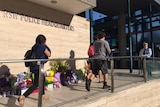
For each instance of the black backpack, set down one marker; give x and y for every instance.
(30, 54)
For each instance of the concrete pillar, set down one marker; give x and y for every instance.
(122, 40)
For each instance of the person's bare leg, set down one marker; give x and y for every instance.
(89, 74)
(100, 76)
(44, 97)
(21, 100)
(106, 77)
(92, 77)
(89, 79)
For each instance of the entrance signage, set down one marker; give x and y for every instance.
(29, 19)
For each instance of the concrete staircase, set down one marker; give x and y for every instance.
(142, 95)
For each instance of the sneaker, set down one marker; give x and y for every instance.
(100, 81)
(106, 87)
(88, 83)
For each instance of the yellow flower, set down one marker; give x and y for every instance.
(51, 73)
(49, 79)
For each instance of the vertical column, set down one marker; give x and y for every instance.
(129, 34)
(151, 30)
(91, 25)
(144, 70)
(112, 75)
(41, 79)
(122, 39)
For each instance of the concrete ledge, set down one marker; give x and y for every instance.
(143, 95)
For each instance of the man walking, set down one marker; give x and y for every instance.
(101, 50)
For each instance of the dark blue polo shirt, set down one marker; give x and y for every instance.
(39, 51)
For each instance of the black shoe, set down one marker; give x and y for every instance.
(107, 87)
(100, 81)
(88, 83)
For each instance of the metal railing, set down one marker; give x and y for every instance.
(111, 69)
(41, 69)
(125, 57)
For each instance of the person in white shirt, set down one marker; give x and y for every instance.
(146, 52)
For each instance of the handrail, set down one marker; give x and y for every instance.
(30, 60)
(112, 58)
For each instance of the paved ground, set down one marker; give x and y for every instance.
(76, 95)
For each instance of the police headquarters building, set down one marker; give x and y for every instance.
(22, 20)
(129, 23)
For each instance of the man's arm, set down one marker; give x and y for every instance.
(149, 54)
(141, 52)
(108, 48)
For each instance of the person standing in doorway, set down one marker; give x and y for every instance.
(146, 52)
(42, 51)
(101, 50)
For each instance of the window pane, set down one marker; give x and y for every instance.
(133, 39)
(138, 12)
(156, 37)
(155, 24)
(139, 27)
(147, 37)
(139, 38)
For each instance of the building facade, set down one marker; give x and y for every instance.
(21, 22)
(144, 27)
